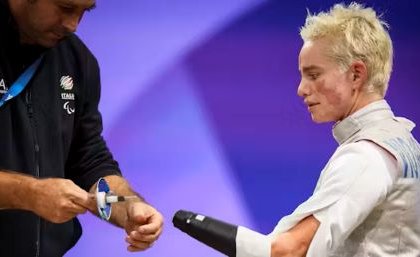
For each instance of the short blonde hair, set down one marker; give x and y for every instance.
(356, 34)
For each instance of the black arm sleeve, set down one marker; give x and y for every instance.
(89, 157)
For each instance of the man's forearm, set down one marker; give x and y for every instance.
(119, 186)
(14, 190)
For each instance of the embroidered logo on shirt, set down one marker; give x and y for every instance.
(67, 107)
(3, 88)
(67, 96)
(66, 82)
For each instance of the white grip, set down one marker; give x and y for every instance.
(100, 198)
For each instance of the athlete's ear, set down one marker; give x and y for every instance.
(358, 74)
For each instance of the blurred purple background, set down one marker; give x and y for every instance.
(200, 109)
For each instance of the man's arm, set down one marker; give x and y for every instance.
(296, 241)
(141, 221)
(54, 199)
(119, 186)
(14, 189)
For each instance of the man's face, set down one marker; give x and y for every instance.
(46, 22)
(325, 89)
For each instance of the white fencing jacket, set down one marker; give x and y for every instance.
(367, 198)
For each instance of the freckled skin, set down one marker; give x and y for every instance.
(331, 95)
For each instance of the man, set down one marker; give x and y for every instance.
(52, 152)
(367, 199)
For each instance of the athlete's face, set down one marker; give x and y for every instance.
(325, 89)
(46, 22)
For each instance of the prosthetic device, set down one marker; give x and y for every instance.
(231, 240)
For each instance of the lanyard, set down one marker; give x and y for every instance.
(21, 82)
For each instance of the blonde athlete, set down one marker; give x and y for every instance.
(367, 199)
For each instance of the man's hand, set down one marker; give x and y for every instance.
(141, 221)
(58, 200)
(144, 224)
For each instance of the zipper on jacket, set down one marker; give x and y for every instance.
(28, 98)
